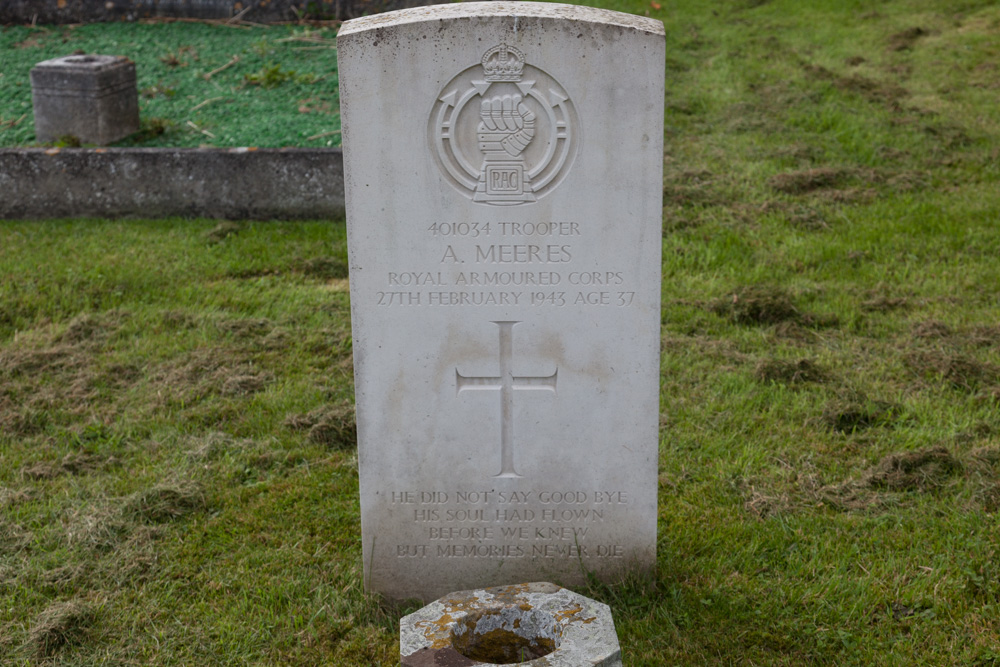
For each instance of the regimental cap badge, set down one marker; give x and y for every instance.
(503, 63)
(503, 131)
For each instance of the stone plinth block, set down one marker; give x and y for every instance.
(537, 624)
(90, 97)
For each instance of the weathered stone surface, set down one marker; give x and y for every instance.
(231, 183)
(503, 167)
(507, 625)
(90, 97)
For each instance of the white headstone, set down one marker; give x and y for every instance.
(503, 167)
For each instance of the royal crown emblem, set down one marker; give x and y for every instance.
(503, 63)
(516, 142)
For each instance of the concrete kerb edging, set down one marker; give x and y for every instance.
(234, 183)
(581, 630)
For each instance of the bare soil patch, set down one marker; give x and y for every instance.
(885, 93)
(904, 40)
(330, 425)
(852, 414)
(790, 372)
(897, 611)
(165, 502)
(71, 464)
(324, 268)
(827, 183)
(246, 328)
(757, 304)
(762, 305)
(958, 370)
(922, 470)
(800, 182)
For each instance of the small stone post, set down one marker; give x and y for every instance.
(90, 97)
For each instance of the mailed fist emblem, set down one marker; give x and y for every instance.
(504, 132)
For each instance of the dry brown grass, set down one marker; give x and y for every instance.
(905, 39)
(165, 502)
(850, 413)
(756, 305)
(222, 231)
(62, 624)
(959, 370)
(801, 182)
(790, 372)
(74, 463)
(922, 471)
(330, 425)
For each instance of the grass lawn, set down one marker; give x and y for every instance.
(200, 84)
(178, 478)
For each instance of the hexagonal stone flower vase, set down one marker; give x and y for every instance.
(525, 624)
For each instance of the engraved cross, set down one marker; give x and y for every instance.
(506, 383)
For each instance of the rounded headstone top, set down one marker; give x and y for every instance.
(536, 623)
(464, 10)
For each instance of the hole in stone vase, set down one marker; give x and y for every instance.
(81, 59)
(506, 635)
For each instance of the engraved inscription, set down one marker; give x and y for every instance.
(521, 143)
(506, 383)
(510, 524)
(467, 264)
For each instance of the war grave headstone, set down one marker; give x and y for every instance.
(503, 176)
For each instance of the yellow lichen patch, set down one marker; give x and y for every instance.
(566, 615)
(437, 630)
(441, 642)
